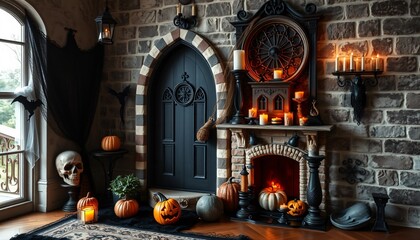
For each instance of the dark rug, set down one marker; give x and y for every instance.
(109, 226)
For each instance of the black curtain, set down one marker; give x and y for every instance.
(67, 80)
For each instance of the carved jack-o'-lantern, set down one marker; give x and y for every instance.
(296, 207)
(166, 211)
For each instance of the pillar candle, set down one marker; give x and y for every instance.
(263, 119)
(252, 113)
(344, 64)
(351, 61)
(299, 95)
(244, 183)
(288, 119)
(88, 214)
(178, 9)
(377, 62)
(302, 121)
(362, 65)
(193, 10)
(278, 73)
(238, 59)
(336, 63)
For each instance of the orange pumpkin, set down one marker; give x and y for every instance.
(111, 143)
(125, 208)
(87, 201)
(271, 198)
(166, 211)
(229, 193)
(296, 207)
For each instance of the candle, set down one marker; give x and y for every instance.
(377, 62)
(302, 121)
(336, 63)
(193, 11)
(252, 113)
(362, 66)
(344, 64)
(263, 119)
(178, 9)
(278, 73)
(283, 206)
(238, 59)
(88, 214)
(299, 95)
(244, 183)
(106, 33)
(288, 119)
(351, 62)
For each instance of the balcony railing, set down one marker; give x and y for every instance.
(10, 155)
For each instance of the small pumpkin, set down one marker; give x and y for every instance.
(166, 211)
(271, 198)
(229, 193)
(296, 207)
(209, 208)
(111, 143)
(126, 208)
(88, 201)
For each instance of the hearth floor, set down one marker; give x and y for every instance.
(187, 200)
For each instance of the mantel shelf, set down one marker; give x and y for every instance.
(322, 128)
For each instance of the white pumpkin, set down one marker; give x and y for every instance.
(271, 198)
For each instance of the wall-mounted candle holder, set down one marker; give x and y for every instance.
(358, 88)
(183, 21)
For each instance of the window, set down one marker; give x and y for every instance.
(13, 77)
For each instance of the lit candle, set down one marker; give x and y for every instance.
(238, 59)
(106, 33)
(302, 121)
(178, 9)
(263, 119)
(252, 113)
(288, 119)
(193, 11)
(377, 62)
(299, 95)
(336, 62)
(244, 179)
(283, 206)
(88, 214)
(278, 73)
(344, 64)
(351, 62)
(362, 66)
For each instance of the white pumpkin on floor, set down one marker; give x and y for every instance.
(209, 208)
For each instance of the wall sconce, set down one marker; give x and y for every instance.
(183, 21)
(105, 25)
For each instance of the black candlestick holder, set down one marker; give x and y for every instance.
(239, 117)
(244, 202)
(380, 200)
(314, 193)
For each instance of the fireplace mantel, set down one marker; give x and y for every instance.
(322, 128)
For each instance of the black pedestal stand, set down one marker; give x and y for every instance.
(314, 193)
(380, 201)
(238, 118)
(71, 204)
(244, 201)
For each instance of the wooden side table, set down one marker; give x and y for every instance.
(107, 161)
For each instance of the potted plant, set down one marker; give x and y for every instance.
(126, 188)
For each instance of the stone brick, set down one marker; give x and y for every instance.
(415, 7)
(357, 11)
(120, 48)
(369, 28)
(387, 131)
(389, 8)
(340, 144)
(331, 13)
(366, 145)
(392, 162)
(387, 83)
(337, 115)
(387, 178)
(355, 131)
(414, 216)
(143, 17)
(387, 100)
(410, 82)
(383, 46)
(337, 31)
(341, 191)
(372, 117)
(402, 147)
(364, 192)
(411, 117)
(357, 48)
(413, 100)
(414, 133)
(218, 9)
(402, 64)
(410, 179)
(395, 213)
(126, 33)
(254, 5)
(325, 50)
(129, 5)
(408, 45)
(401, 26)
(404, 196)
(148, 31)
(132, 62)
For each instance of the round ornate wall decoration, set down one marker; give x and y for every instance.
(276, 42)
(184, 93)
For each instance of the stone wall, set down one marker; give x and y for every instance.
(385, 145)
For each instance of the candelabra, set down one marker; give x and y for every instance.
(183, 21)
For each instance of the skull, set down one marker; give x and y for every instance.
(69, 166)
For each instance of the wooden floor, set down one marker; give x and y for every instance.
(225, 227)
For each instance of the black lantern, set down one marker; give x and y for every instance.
(105, 25)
